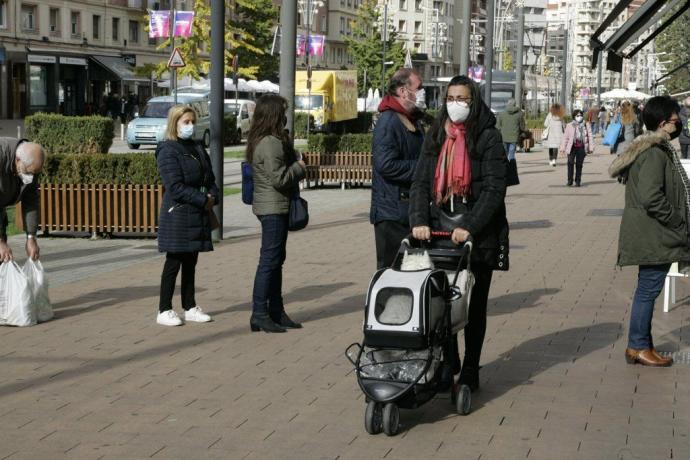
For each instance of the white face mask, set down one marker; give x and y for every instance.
(26, 178)
(421, 99)
(458, 111)
(185, 131)
(578, 118)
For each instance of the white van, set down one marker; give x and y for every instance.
(243, 109)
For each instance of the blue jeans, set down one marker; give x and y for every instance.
(510, 150)
(650, 282)
(594, 127)
(268, 283)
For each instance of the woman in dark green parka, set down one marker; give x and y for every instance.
(654, 228)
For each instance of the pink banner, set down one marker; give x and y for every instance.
(316, 48)
(183, 23)
(159, 24)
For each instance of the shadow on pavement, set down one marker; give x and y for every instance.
(76, 253)
(531, 224)
(107, 298)
(510, 303)
(519, 365)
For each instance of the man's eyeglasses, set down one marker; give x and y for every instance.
(458, 99)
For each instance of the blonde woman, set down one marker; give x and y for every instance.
(184, 227)
(556, 126)
(631, 126)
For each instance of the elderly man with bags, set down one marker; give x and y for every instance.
(20, 163)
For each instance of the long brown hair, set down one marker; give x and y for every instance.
(268, 120)
(557, 110)
(627, 113)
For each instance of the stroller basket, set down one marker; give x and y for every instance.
(391, 364)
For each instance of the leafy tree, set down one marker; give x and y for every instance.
(366, 46)
(675, 42)
(260, 17)
(507, 60)
(194, 49)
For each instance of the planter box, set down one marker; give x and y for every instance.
(344, 168)
(98, 208)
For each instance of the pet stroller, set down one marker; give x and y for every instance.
(410, 318)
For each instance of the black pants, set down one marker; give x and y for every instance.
(173, 262)
(553, 153)
(576, 158)
(684, 150)
(475, 330)
(388, 235)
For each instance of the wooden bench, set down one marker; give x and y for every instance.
(344, 168)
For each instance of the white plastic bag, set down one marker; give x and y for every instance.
(38, 284)
(15, 297)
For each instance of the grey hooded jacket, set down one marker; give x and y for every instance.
(12, 190)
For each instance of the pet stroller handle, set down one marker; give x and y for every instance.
(467, 250)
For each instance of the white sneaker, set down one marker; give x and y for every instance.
(197, 315)
(554, 163)
(168, 318)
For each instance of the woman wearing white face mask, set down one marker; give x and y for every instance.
(184, 227)
(461, 177)
(576, 143)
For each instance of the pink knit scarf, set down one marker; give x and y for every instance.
(453, 170)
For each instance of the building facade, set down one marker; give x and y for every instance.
(65, 56)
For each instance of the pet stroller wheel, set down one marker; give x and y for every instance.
(391, 419)
(463, 400)
(373, 418)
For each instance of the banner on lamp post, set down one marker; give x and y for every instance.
(183, 23)
(316, 46)
(159, 24)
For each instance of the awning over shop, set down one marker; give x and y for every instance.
(120, 69)
(646, 19)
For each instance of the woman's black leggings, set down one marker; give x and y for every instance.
(553, 153)
(173, 262)
(476, 324)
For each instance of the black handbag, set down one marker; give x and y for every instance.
(441, 220)
(512, 177)
(298, 214)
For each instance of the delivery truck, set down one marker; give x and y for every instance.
(332, 99)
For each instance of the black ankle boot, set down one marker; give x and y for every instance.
(282, 319)
(264, 323)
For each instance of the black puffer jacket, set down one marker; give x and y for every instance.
(486, 219)
(184, 224)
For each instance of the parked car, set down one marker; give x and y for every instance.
(243, 109)
(148, 127)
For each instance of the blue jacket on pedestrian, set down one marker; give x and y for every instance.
(396, 145)
(185, 224)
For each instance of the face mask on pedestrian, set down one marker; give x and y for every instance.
(25, 177)
(185, 131)
(678, 127)
(421, 99)
(579, 118)
(458, 111)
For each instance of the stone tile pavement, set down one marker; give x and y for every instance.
(103, 381)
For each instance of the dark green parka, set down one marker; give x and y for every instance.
(654, 228)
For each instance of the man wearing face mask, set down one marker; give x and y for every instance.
(684, 137)
(655, 225)
(20, 162)
(397, 142)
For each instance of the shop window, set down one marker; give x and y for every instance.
(55, 22)
(38, 76)
(116, 29)
(96, 27)
(75, 24)
(29, 18)
(134, 31)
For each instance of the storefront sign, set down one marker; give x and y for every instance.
(73, 61)
(183, 23)
(130, 59)
(159, 24)
(35, 58)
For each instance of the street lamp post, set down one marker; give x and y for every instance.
(308, 7)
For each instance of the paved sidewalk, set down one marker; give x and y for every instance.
(103, 381)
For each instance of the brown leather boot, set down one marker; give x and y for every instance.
(646, 357)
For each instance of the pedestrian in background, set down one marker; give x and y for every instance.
(603, 120)
(630, 126)
(684, 138)
(654, 227)
(184, 228)
(511, 123)
(462, 173)
(555, 126)
(576, 143)
(277, 170)
(397, 141)
(593, 119)
(20, 163)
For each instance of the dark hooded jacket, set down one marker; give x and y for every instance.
(12, 190)
(654, 227)
(511, 123)
(485, 216)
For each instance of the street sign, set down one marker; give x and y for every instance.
(176, 59)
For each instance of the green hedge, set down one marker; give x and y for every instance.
(330, 143)
(62, 134)
(301, 124)
(132, 168)
(230, 134)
